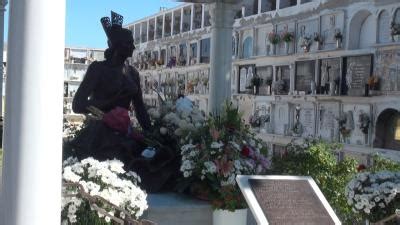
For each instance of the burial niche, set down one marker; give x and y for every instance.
(387, 132)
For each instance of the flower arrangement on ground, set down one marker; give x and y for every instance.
(97, 192)
(274, 38)
(374, 195)
(214, 154)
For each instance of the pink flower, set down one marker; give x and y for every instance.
(117, 119)
(224, 166)
(214, 134)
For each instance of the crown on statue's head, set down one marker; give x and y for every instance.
(115, 22)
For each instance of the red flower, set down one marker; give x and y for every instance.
(361, 167)
(117, 119)
(245, 151)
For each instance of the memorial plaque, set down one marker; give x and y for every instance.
(265, 74)
(307, 119)
(357, 73)
(286, 200)
(388, 69)
(357, 137)
(281, 119)
(282, 83)
(328, 128)
(329, 73)
(329, 24)
(305, 29)
(305, 74)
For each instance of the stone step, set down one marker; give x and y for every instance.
(175, 209)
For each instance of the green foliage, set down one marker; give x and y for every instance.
(381, 163)
(317, 159)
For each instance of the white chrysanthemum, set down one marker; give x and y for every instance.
(216, 145)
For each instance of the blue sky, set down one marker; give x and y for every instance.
(83, 28)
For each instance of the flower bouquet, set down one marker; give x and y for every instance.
(214, 154)
(100, 193)
(306, 43)
(373, 82)
(274, 38)
(287, 36)
(375, 196)
(394, 28)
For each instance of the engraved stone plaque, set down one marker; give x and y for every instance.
(307, 119)
(286, 200)
(357, 73)
(281, 118)
(388, 69)
(357, 137)
(305, 74)
(265, 73)
(328, 128)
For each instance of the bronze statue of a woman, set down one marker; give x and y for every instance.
(107, 85)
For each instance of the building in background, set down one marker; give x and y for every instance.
(322, 68)
(76, 62)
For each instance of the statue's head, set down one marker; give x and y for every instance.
(120, 40)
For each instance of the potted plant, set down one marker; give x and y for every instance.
(287, 37)
(274, 39)
(318, 40)
(338, 37)
(213, 156)
(306, 43)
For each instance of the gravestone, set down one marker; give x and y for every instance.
(329, 73)
(329, 24)
(357, 137)
(388, 69)
(286, 200)
(305, 74)
(281, 118)
(328, 128)
(282, 76)
(242, 79)
(384, 31)
(306, 29)
(307, 119)
(357, 73)
(265, 73)
(283, 27)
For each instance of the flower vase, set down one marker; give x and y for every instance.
(256, 90)
(273, 50)
(287, 45)
(338, 43)
(224, 217)
(318, 45)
